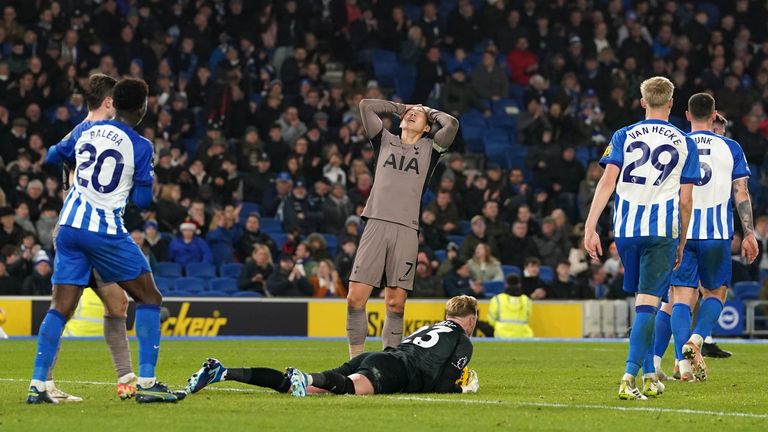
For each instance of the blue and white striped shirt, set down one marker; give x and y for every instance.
(655, 158)
(722, 161)
(109, 159)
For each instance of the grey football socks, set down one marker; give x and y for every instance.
(357, 330)
(116, 335)
(392, 331)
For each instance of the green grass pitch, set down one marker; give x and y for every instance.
(523, 386)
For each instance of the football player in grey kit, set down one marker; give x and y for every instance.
(389, 245)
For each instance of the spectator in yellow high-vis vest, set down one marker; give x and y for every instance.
(510, 311)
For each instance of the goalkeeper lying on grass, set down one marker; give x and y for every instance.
(432, 360)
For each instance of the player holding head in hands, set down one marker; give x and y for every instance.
(112, 164)
(98, 97)
(655, 165)
(389, 244)
(434, 359)
(707, 255)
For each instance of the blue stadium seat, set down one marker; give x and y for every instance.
(201, 270)
(473, 118)
(169, 269)
(547, 274)
(230, 270)
(279, 239)
(458, 239)
(214, 294)
(383, 54)
(510, 269)
(405, 82)
(164, 284)
(441, 255)
(412, 11)
(473, 137)
(248, 208)
(491, 288)
(167, 236)
(504, 106)
(465, 227)
(584, 155)
(749, 290)
(224, 284)
(384, 69)
(271, 225)
(332, 243)
(191, 285)
(247, 294)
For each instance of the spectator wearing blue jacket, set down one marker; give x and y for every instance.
(222, 239)
(189, 248)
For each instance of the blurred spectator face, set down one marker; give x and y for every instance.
(260, 255)
(43, 268)
(349, 248)
(433, 55)
(430, 11)
(364, 182)
(203, 74)
(302, 251)
(300, 191)
(275, 134)
(150, 232)
(478, 227)
(291, 115)
(569, 154)
(491, 210)
(292, 164)
(62, 114)
(252, 224)
(481, 183)
(338, 191)
(196, 168)
(465, 8)
(559, 217)
(35, 189)
(301, 146)
(532, 269)
(138, 237)
(300, 54)
(731, 82)
(187, 234)
(519, 229)
(489, 60)
(563, 271)
(286, 265)
(524, 213)
(521, 44)
(516, 177)
(548, 228)
(481, 252)
(443, 199)
(322, 188)
(423, 270)
(456, 163)
(463, 271)
(428, 217)
(283, 187)
(753, 123)
(599, 275)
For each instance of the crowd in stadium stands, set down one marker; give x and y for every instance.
(260, 154)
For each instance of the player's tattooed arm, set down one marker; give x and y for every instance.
(743, 205)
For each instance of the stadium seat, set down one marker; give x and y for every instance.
(280, 239)
(473, 118)
(584, 155)
(510, 269)
(201, 270)
(405, 81)
(164, 284)
(332, 243)
(230, 270)
(224, 284)
(749, 290)
(440, 254)
(271, 225)
(473, 137)
(504, 106)
(458, 239)
(168, 269)
(246, 209)
(547, 274)
(190, 285)
(214, 294)
(247, 294)
(384, 68)
(465, 227)
(491, 288)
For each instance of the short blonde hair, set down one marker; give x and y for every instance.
(461, 306)
(657, 91)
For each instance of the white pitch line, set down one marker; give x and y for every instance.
(582, 406)
(224, 389)
(481, 401)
